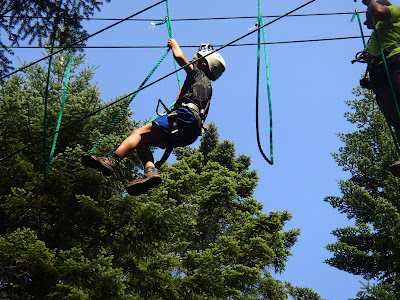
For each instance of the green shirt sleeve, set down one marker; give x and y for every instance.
(388, 33)
(394, 13)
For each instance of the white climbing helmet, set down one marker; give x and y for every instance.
(215, 62)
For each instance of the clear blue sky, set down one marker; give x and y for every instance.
(309, 84)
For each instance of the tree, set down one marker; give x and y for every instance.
(46, 224)
(38, 20)
(299, 293)
(370, 197)
(78, 235)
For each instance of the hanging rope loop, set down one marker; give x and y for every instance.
(260, 25)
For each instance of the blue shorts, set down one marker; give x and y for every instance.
(187, 126)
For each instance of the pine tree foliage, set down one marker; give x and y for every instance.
(370, 197)
(299, 293)
(78, 235)
(38, 20)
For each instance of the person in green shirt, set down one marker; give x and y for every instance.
(385, 18)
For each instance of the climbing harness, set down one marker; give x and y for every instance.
(166, 109)
(175, 136)
(216, 65)
(260, 24)
(362, 56)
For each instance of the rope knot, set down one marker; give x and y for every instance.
(154, 24)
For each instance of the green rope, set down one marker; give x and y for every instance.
(360, 25)
(169, 27)
(396, 142)
(46, 100)
(125, 107)
(361, 29)
(154, 24)
(261, 25)
(71, 54)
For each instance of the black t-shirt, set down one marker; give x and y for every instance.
(196, 89)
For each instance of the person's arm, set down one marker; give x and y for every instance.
(179, 56)
(380, 12)
(179, 93)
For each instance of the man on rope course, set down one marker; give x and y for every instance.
(179, 127)
(385, 18)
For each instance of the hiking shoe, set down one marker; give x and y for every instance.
(395, 169)
(103, 164)
(148, 180)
